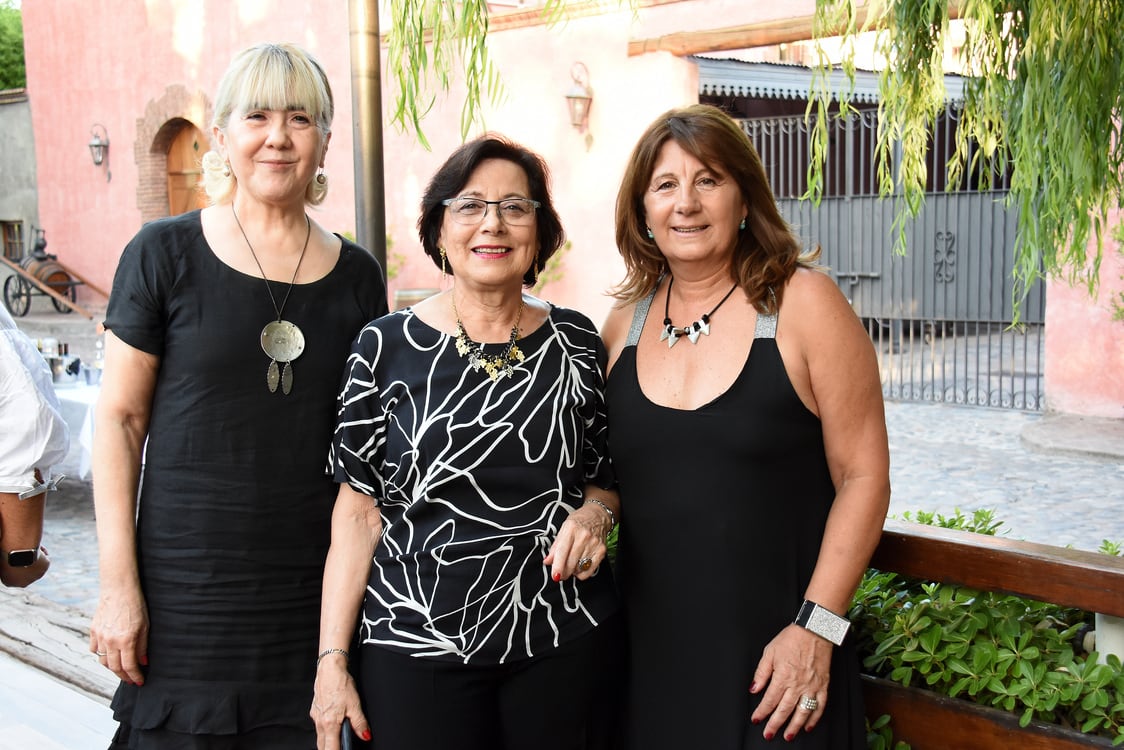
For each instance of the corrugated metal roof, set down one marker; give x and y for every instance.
(760, 80)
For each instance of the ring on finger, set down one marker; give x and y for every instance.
(808, 703)
(585, 564)
(101, 653)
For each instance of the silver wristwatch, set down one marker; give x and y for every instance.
(822, 622)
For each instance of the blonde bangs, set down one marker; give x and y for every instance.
(275, 77)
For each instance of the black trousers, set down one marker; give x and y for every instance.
(567, 699)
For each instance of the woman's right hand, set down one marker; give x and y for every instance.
(119, 632)
(335, 698)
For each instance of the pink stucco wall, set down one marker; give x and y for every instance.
(586, 167)
(107, 61)
(1084, 345)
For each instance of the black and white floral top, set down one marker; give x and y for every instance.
(474, 478)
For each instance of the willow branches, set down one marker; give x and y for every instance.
(1043, 95)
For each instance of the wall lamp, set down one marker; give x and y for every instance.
(579, 97)
(99, 147)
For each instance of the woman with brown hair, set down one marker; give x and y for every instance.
(475, 494)
(749, 441)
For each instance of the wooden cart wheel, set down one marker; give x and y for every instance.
(66, 292)
(17, 296)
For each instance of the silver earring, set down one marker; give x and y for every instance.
(321, 180)
(742, 225)
(226, 169)
(650, 235)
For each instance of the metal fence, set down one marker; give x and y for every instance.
(941, 315)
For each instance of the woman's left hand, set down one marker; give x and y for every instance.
(579, 548)
(795, 664)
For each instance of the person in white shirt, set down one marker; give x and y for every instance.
(35, 438)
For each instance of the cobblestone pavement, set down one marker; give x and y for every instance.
(943, 458)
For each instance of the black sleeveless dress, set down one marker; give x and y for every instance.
(723, 511)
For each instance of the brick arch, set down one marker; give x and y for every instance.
(163, 119)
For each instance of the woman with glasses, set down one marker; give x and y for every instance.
(475, 495)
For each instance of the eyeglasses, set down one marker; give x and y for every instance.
(515, 212)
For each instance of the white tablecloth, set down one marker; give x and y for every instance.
(83, 396)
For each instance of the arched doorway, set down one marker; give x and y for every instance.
(184, 171)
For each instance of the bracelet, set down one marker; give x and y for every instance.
(330, 651)
(823, 622)
(607, 509)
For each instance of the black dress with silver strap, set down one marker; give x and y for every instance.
(723, 512)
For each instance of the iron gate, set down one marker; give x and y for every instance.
(941, 315)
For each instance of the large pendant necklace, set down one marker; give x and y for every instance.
(672, 334)
(281, 340)
(496, 365)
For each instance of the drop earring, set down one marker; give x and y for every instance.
(322, 180)
(742, 225)
(650, 235)
(226, 169)
(444, 273)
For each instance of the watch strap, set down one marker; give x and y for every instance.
(823, 622)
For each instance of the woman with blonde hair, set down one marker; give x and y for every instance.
(227, 332)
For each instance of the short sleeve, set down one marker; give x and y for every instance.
(360, 436)
(136, 313)
(598, 468)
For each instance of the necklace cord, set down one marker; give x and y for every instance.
(268, 286)
(704, 319)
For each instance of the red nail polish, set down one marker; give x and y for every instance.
(768, 735)
(753, 688)
(557, 577)
(366, 735)
(788, 737)
(756, 721)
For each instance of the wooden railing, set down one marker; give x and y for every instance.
(1087, 580)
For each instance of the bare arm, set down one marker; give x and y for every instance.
(843, 375)
(615, 331)
(356, 528)
(21, 527)
(833, 368)
(120, 625)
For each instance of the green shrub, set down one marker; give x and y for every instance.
(997, 650)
